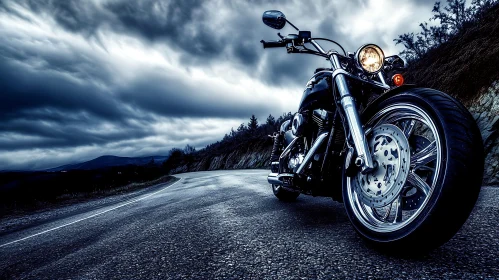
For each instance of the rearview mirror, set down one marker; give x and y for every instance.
(274, 19)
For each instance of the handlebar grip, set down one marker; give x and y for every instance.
(273, 44)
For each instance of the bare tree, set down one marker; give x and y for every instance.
(451, 19)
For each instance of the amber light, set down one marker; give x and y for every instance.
(398, 79)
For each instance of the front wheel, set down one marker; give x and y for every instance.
(430, 165)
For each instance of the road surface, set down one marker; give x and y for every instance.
(227, 225)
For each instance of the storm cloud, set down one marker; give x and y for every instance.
(80, 79)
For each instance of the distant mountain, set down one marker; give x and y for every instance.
(109, 161)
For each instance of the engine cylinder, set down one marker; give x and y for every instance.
(298, 125)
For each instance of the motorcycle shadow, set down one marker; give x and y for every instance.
(321, 218)
(307, 212)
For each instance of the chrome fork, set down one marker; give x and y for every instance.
(364, 159)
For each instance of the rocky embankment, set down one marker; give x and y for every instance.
(252, 154)
(485, 110)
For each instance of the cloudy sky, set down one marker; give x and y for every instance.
(81, 79)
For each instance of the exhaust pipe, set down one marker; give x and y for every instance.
(318, 142)
(284, 179)
(279, 179)
(273, 180)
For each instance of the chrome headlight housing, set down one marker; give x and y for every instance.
(285, 126)
(370, 58)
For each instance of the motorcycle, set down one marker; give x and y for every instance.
(407, 162)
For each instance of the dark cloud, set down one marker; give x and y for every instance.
(47, 128)
(247, 53)
(170, 97)
(68, 94)
(76, 16)
(158, 19)
(291, 68)
(24, 87)
(180, 23)
(187, 26)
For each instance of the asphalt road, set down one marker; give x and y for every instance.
(228, 225)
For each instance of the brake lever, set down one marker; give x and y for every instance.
(280, 36)
(292, 49)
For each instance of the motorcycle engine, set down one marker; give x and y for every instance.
(295, 160)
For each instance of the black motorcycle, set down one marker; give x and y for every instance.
(407, 162)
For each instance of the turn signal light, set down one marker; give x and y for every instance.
(398, 79)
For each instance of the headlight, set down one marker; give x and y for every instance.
(370, 58)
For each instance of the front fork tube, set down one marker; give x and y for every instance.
(364, 159)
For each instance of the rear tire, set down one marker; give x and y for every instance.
(284, 195)
(442, 186)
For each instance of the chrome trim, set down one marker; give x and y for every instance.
(297, 125)
(272, 179)
(285, 153)
(351, 114)
(369, 216)
(382, 78)
(284, 126)
(336, 72)
(359, 65)
(311, 153)
(391, 150)
(317, 46)
(275, 179)
(288, 149)
(335, 61)
(356, 129)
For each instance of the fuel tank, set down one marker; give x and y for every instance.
(318, 93)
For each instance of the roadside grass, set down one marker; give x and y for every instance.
(465, 65)
(26, 193)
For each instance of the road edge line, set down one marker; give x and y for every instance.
(89, 217)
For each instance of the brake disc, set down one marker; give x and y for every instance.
(390, 149)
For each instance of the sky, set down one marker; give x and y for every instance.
(82, 79)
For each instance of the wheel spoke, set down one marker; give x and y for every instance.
(398, 210)
(418, 182)
(382, 217)
(397, 117)
(421, 154)
(426, 168)
(425, 156)
(408, 128)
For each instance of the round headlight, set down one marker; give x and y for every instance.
(370, 58)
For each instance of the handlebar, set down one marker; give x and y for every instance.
(299, 47)
(273, 44)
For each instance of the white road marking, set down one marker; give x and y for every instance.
(91, 216)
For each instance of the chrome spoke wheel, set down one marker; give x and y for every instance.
(394, 195)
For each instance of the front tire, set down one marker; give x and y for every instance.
(441, 185)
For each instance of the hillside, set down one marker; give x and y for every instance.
(248, 147)
(110, 161)
(250, 153)
(466, 65)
